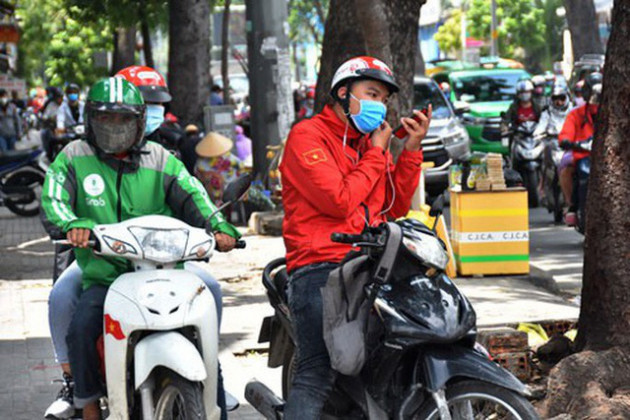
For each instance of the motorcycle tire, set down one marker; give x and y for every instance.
(178, 398)
(513, 405)
(530, 179)
(28, 207)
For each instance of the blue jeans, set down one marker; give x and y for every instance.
(314, 378)
(7, 143)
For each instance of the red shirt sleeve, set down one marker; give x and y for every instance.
(310, 167)
(568, 131)
(406, 176)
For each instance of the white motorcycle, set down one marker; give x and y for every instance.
(160, 323)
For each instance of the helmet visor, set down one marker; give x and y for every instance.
(114, 132)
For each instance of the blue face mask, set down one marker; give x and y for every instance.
(371, 115)
(155, 118)
(73, 97)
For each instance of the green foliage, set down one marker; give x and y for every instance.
(55, 48)
(306, 20)
(527, 29)
(449, 35)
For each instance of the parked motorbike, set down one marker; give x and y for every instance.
(160, 323)
(422, 359)
(580, 180)
(552, 155)
(526, 154)
(22, 174)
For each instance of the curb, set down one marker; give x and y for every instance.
(541, 278)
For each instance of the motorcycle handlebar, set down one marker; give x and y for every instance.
(240, 244)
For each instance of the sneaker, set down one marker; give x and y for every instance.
(63, 406)
(231, 403)
(570, 218)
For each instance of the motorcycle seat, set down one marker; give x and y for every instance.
(14, 156)
(281, 281)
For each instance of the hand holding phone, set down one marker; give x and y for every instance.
(401, 131)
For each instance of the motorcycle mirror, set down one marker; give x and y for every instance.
(237, 188)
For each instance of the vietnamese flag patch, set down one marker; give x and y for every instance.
(315, 156)
(113, 327)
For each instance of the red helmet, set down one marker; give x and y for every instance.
(151, 83)
(363, 68)
(310, 93)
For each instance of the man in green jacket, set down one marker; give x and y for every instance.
(114, 176)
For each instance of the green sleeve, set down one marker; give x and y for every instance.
(58, 195)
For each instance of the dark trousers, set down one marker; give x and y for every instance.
(85, 329)
(314, 378)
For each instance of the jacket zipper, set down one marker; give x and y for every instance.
(118, 183)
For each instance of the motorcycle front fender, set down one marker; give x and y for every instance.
(446, 363)
(171, 350)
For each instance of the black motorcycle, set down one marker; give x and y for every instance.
(422, 358)
(21, 179)
(580, 180)
(553, 198)
(526, 154)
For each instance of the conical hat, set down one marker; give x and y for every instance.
(212, 145)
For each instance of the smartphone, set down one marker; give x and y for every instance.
(401, 132)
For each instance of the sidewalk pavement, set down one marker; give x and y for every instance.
(27, 363)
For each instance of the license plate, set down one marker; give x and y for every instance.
(505, 141)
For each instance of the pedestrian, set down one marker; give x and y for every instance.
(242, 145)
(10, 124)
(216, 165)
(187, 147)
(216, 95)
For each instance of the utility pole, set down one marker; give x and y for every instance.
(494, 51)
(270, 94)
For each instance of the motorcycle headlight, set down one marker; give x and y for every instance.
(428, 249)
(161, 245)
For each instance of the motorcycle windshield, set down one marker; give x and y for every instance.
(428, 308)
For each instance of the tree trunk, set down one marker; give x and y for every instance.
(124, 48)
(605, 313)
(225, 52)
(189, 58)
(146, 40)
(583, 26)
(343, 39)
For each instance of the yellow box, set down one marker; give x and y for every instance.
(490, 231)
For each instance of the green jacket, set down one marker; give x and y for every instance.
(82, 190)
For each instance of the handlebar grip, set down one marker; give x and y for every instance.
(240, 244)
(345, 238)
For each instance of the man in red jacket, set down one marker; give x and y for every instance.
(338, 176)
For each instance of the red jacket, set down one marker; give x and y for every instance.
(578, 126)
(323, 189)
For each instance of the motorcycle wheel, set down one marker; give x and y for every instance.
(28, 206)
(178, 398)
(530, 179)
(558, 215)
(477, 399)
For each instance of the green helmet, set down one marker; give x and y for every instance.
(115, 116)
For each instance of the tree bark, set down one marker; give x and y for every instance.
(146, 38)
(124, 48)
(583, 26)
(342, 40)
(225, 49)
(605, 313)
(189, 58)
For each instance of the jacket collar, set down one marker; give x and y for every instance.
(338, 127)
